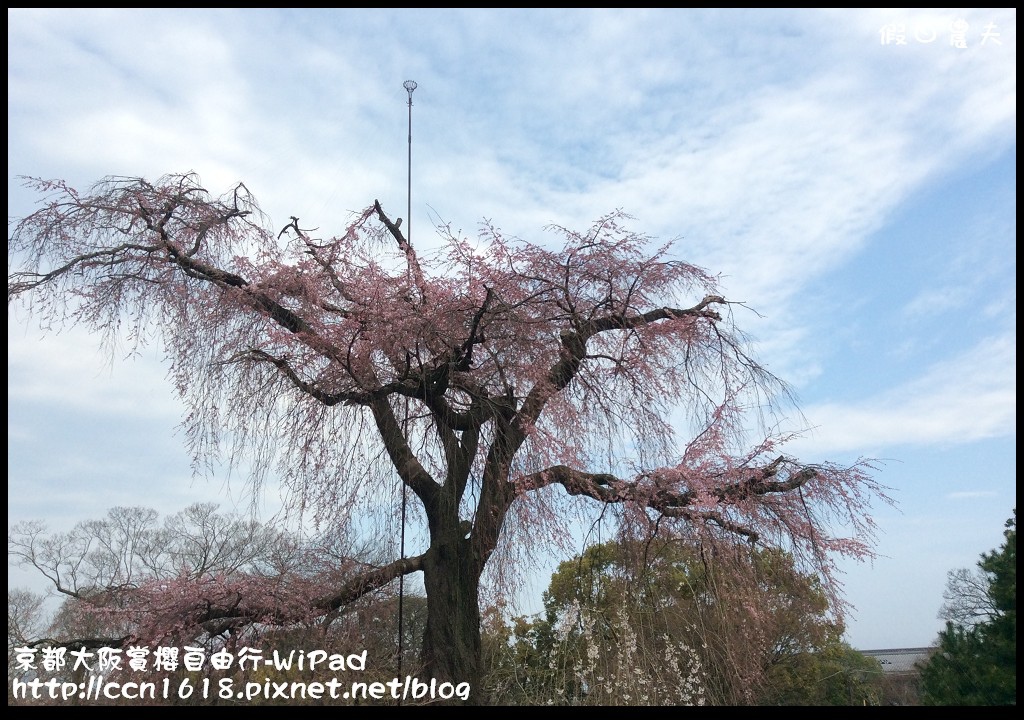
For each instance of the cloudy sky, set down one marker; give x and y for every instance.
(851, 174)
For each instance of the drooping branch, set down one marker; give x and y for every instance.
(215, 616)
(20, 283)
(464, 360)
(215, 607)
(370, 581)
(135, 207)
(408, 467)
(623, 322)
(243, 609)
(673, 501)
(410, 254)
(328, 399)
(259, 300)
(709, 516)
(574, 349)
(612, 489)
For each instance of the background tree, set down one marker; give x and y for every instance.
(976, 663)
(118, 571)
(661, 621)
(129, 576)
(833, 673)
(499, 381)
(25, 622)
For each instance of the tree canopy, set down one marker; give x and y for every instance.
(665, 622)
(976, 662)
(504, 384)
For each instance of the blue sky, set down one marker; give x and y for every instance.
(860, 195)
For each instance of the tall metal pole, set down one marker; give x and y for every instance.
(409, 86)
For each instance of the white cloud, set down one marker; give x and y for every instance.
(68, 369)
(971, 495)
(966, 398)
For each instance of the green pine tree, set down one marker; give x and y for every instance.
(976, 663)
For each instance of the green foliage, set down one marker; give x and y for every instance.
(976, 663)
(834, 674)
(667, 622)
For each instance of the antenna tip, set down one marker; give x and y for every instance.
(409, 86)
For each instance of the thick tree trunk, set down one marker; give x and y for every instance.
(451, 642)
